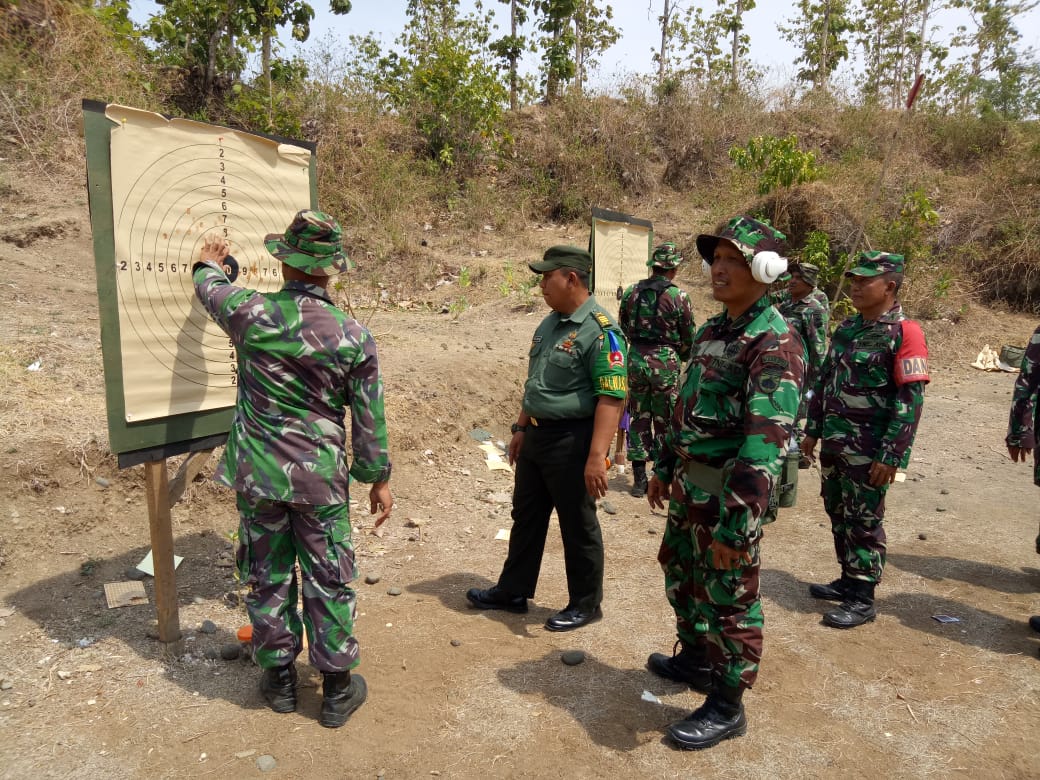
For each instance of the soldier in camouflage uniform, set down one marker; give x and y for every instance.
(1024, 421)
(657, 318)
(866, 404)
(719, 467)
(301, 364)
(808, 316)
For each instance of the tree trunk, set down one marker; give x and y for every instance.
(665, 19)
(735, 55)
(823, 74)
(579, 58)
(512, 57)
(266, 65)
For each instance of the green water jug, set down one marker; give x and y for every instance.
(789, 478)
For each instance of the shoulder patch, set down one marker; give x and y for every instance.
(912, 357)
(603, 320)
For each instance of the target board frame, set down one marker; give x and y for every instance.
(157, 186)
(621, 246)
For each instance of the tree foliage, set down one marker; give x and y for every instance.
(444, 78)
(777, 162)
(821, 33)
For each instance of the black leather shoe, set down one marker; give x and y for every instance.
(572, 618)
(278, 686)
(709, 724)
(687, 666)
(342, 694)
(832, 591)
(640, 481)
(851, 613)
(1034, 623)
(496, 598)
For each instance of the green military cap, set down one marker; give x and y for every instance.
(748, 235)
(563, 256)
(666, 256)
(312, 243)
(810, 273)
(876, 263)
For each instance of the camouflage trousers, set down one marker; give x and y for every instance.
(857, 513)
(273, 536)
(652, 393)
(718, 610)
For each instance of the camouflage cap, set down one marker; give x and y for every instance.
(563, 256)
(747, 235)
(808, 272)
(312, 243)
(666, 256)
(876, 263)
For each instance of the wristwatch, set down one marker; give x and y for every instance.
(517, 428)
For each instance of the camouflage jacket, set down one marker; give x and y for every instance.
(738, 401)
(809, 318)
(868, 397)
(655, 314)
(1025, 403)
(301, 363)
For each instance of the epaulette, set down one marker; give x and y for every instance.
(603, 320)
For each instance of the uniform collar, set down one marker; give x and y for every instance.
(579, 315)
(306, 288)
(756, 309)
(892, 315)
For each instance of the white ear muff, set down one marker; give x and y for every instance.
(767, 267)
(705, 269)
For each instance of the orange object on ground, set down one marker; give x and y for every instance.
(245, 634)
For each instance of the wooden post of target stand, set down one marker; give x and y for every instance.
(162, 495)
(161, 527)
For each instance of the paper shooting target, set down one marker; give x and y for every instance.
(621, 245)
(175, 182)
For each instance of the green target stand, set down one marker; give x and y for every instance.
(157, 187)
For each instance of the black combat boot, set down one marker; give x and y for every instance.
(832, 591)
(278, 686)
(343, 694)
(856, 608)
(720, 717)
(689, 665)
(639, 475)
(1034, 622)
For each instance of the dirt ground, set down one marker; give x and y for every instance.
(84, 691)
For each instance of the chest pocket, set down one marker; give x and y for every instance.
(869, 371)
(563, 369)
(722, 389)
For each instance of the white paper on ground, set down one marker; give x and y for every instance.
(148, 567)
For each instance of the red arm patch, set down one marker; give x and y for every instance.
(912, 358)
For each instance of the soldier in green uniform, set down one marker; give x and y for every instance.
(302, 364)
(866, 404)
(808, 313)
(657, 318)
(718, 470)
(1024, 421)
(573, 399)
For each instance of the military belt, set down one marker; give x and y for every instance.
(566, 422)
(708, 479)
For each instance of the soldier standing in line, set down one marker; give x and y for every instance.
(657, 318)
(301, 364)
(719, 467)
(808, 315)
(866, 404)
(1024, 421)
(573, 399)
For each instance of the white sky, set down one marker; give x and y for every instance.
(637, 20)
